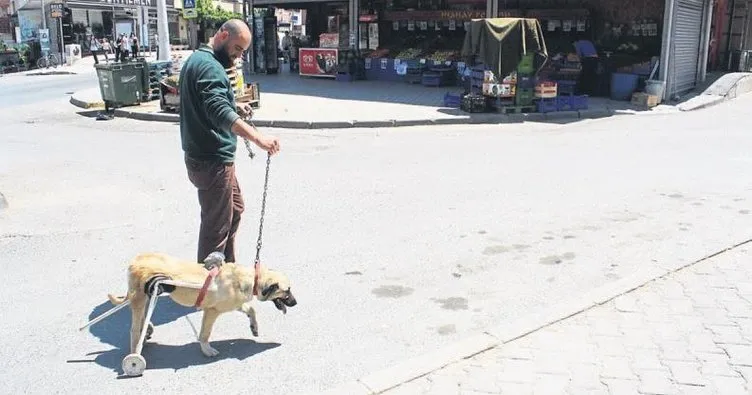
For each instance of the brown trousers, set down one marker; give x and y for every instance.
(221, 206)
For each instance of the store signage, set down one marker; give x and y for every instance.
(56, 10)
(134, 3)
(434, 15)
(318, 62)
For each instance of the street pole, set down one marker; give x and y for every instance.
(162, 31)
(44, 17)
(62, 41)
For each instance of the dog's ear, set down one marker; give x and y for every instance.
(266, 291)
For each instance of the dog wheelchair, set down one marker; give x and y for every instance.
(135, 364)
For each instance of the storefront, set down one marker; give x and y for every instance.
(321, 40)
(629, 36)
(685, 44)
(665, 40)
(111, 18)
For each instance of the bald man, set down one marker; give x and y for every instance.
(209, 126)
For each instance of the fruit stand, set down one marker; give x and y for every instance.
(505, 78)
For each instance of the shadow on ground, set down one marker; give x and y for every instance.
(115, 331)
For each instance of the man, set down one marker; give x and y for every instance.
(209, 126)
(286, 43)
(589, 58)
(96, 48)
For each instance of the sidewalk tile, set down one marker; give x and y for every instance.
(677, 335)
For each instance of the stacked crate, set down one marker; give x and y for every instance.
(525, 81)
(157, 71)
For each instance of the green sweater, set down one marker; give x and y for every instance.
(207, 109)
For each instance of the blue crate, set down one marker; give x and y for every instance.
(566, 87)
(344, 77)
(453, 100)
(431, 79)
(579, 102)
(571, 102)
(547, 105)
(564, 103)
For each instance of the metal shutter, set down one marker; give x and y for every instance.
(687, 28)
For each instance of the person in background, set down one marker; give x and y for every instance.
(118, 40)
(96, 48)
(125, 48)
(589, 59)
(134, 45)
(106, 47)
(286, 44)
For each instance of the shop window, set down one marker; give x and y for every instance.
(417, 29)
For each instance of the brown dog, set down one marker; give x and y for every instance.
(232, 290)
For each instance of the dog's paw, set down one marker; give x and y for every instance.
(208, 350)
(149, 332)
(254, 330)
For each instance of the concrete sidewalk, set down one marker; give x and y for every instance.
(290, 101)
(287, 110)
(686, 332)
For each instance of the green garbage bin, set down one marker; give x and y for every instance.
(120, 84)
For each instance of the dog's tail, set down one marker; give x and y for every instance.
(116, 300)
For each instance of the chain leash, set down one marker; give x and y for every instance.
(263, 199)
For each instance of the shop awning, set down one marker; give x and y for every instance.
(500, 43)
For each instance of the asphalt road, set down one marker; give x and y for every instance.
(397, 241)
(21, 90)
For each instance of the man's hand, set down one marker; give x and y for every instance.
(245, 110)
(247, 131)
(269, 144)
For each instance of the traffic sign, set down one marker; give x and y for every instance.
(189, 9)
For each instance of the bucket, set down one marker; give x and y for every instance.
(623, 85)
(655, 88)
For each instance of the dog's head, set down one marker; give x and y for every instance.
(275, 286)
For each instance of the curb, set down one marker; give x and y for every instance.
(50, 73)
(414, 368)
(741, 86)
(476, 119)
(85, 105)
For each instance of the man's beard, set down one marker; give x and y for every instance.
(223, 56)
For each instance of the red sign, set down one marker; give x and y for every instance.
(318, 62)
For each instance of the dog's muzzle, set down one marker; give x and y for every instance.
(283, 303)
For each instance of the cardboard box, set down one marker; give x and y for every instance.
(643, 100)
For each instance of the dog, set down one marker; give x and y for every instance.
(236, 285)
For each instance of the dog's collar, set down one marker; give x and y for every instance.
(209, 278)
(256, 269)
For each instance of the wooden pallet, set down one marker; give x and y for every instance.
(517, 109)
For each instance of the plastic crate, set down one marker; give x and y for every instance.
(431, 79)
(453, 100)
(474, 103)
(525, 82)
(547, 105)
(564, 103)
(526, 65)
(566, 87)
(579, 102)
(344, 77)
(524, 97)
(571, 102)
(546, 90)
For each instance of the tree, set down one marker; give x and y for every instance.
(210, 16)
